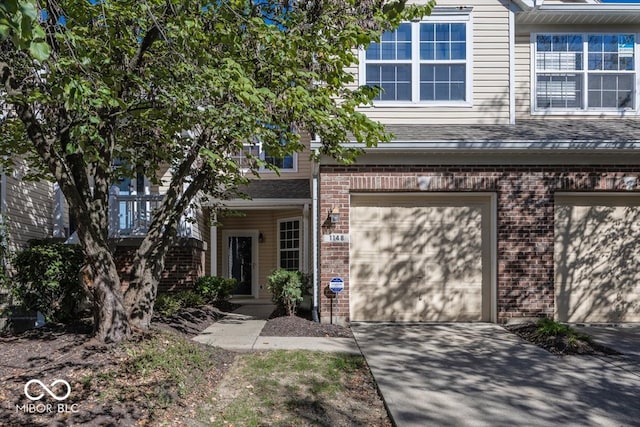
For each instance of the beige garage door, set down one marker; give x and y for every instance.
(596, 254)
(419, 258)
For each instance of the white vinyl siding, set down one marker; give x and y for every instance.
(29, 209)
(488, 31)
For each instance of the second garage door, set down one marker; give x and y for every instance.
(420, 258)
(597, 254)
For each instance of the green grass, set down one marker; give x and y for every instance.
(549, 328)
(154, 372)
(280, 385)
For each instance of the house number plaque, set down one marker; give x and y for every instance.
(335, 238)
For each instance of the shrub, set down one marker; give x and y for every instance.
(286, 289)
(547, 327)
(190, 299)
(170, 304)
(167, 304)
(47, 280)
(215, 288)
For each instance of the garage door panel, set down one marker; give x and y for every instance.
(461, 304)
(383, 304)
(429, 258)
(596, 259)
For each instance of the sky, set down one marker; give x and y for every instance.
(620, 1)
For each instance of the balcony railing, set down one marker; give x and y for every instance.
(131, 215)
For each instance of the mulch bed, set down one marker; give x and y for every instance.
(301, 325)
(294, 326)
(559, 344)
(69, 352)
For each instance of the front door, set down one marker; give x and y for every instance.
(241, 253)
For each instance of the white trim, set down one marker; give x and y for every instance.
(585, 110)
(213, 244)
(449, 15)
(262, 155)
(512, 66)
(595, 8)
(528, 146)
(315, 229)
(58, 212)
(494, 257)
(630, 193)
(260, 203)
(491, 199)
(301, 240)
(304, 239)
(421, 104)
(254, 234)
(3, 195)
(294, 169)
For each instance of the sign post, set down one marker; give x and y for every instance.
(336, 285)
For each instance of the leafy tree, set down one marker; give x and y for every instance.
(183, 83)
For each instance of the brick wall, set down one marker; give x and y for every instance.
(525, 215)
(183, 265)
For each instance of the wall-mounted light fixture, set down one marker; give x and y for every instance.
(334, 216)
(261, 237)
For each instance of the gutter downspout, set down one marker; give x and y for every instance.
(314, 227)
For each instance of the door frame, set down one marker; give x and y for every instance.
(254, 234)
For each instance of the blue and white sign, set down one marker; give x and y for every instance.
(336, 285)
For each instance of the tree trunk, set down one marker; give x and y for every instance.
(141, 294)
(111, 321)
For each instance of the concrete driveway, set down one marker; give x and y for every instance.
(480, 375)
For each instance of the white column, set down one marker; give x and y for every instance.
(58, 212)
(185, 228)
(114, 211)
(305, 238)
(213, 245)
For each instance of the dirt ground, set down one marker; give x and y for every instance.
(68, 352)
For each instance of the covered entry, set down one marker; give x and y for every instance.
(417, 257)
(596, 255)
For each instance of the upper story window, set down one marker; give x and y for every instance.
(584, 72)
(251, 152)
(426, 62)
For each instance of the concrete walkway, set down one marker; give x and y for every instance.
(240, 331)
(480, 375)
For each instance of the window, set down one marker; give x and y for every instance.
(250, 152)
(421, 62)
(289, 241)
(584, 72)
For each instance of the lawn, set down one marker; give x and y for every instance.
(298, 388)
(165, 379)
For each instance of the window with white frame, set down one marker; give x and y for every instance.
(252, 152)
(422, 62)
(583, 72)
(289, 244)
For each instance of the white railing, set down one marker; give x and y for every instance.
(131, 215)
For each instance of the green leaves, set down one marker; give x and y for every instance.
(19, 22)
